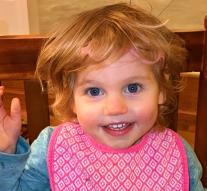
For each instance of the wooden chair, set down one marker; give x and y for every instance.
(201, 127)
(18, 55)
(196, 43)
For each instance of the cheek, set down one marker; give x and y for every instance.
(86, 115)
(147, 113)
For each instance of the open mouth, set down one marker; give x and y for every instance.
(118, 129)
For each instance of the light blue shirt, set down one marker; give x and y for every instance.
(27, 169)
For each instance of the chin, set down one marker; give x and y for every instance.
(120, 146)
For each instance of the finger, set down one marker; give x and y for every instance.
(15, 110)
(1, 90)
(1, 94)
(2, 110)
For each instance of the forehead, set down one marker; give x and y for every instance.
(127, 57)
(126, 54)
(128, 65)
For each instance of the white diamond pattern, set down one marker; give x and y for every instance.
(78, 165)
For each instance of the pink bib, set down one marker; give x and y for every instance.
(77, 162)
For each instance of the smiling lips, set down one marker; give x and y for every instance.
(118, 129)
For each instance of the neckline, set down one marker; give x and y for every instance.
(93, 144)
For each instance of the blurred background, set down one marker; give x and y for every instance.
(38, 17)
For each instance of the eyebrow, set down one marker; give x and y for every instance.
(85, 82)
(133, 78)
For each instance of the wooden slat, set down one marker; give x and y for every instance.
(18, 56)
(194, 43)
(201, 125)
(37, 108)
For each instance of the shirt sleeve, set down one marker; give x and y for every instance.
(27, 169)
(194, 168)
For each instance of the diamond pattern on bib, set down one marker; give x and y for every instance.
(75, 163)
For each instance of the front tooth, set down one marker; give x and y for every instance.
(120, 125)
(117, 126)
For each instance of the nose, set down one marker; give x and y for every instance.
(115, 105)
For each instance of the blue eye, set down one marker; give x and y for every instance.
(94, 91)
(133, 88)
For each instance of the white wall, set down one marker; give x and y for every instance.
(13, 17)
(184, 15)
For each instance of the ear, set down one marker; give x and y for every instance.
(162, 97)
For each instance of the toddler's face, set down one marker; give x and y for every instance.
(117, 103)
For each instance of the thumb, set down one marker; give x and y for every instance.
(15, 109)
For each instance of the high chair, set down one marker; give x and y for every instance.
(18, 55)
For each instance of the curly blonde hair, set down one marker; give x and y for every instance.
(110, 31)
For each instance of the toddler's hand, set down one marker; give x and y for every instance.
(10, 125)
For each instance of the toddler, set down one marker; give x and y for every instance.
(110, 70)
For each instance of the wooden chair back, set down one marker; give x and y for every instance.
(196, 43)
(18, 56)
(201, 123)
